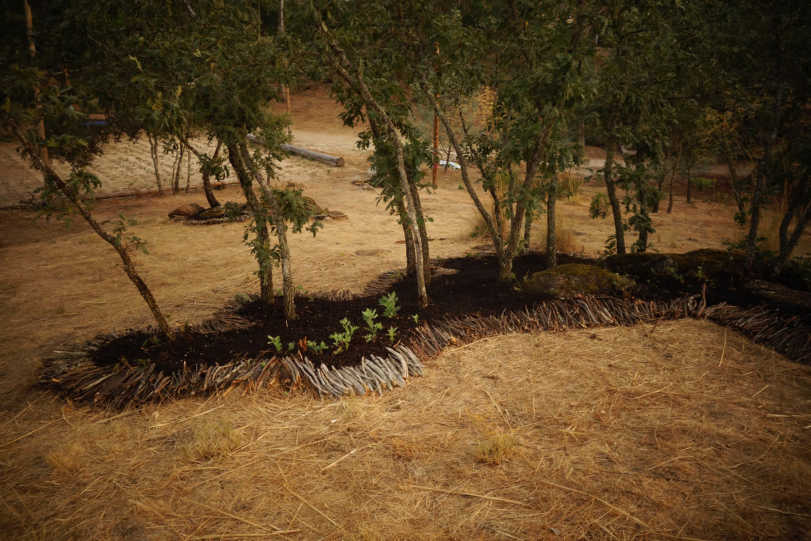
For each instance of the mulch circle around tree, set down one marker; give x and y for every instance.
(249, 344)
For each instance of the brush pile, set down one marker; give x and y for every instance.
(120, 385)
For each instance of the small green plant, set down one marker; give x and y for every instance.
(392, 332)
(291, 347)
(276, 342)
(341, 340)
(415, 318)
(372, 325)
(389, 304)
(318, 347)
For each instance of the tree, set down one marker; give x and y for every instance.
(763, 56)
(645, 72)
(382, 100)
(534, 59)
(33, 97)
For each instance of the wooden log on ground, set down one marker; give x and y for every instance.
(335, 161)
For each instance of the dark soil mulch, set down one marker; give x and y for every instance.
(461, 287)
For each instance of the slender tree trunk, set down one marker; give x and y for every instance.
(688, 174)
(616, 210)
(435, 153)
(210, 197)
(423, 232)
(673, 170)
(493, 228)
(400, 207)
(202, 158)
(789, 242)
(754, 219)
(153, 152)
(551, 231)
(660, 185)
(342, 65)
(581, 137)
(261, 248)
(32, 51)
(528, 219)
(177, 166)
(188, 171)
(280, 226)
(120, 247)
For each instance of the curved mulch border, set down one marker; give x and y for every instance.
(76, 376)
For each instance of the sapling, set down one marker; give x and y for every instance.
(415, 318)
(317, 347)
(392, 332)
(341, 340)
(372, 325)
(276, 342)
(389, 304)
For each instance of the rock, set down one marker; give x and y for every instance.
(211, 214)
(186, 211)
(570, 280)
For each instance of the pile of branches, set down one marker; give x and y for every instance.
(75, 374)
(786, 334)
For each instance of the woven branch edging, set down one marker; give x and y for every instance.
(77, 377)
(789, 336)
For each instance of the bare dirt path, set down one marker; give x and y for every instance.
(676, 430)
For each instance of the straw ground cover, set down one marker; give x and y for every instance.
(610, 433)
(680, 429)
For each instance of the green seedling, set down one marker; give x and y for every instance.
(389, 304)
(316, 346)
(276, 342)
(392, 332)
(341, 340)
(372, 325)
(415, 318)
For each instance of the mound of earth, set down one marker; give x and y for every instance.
(575, 279)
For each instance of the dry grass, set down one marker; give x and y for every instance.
(624, 433)
(678, 430)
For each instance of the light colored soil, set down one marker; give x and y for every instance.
(677, 430)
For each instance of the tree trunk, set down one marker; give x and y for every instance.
(32, 51)
(176, 168)
(279, 224)
(423, 232)
(616, 210)
(120, 248)
(356, 80)
(754, 219)
(410, 245)
(188, 171)
(210, 197)
(212, 201)
(261, 247)
(789, 242)
(153, 152)
(528, 219)
(688, 174)
(551, 232)
(435, 153)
